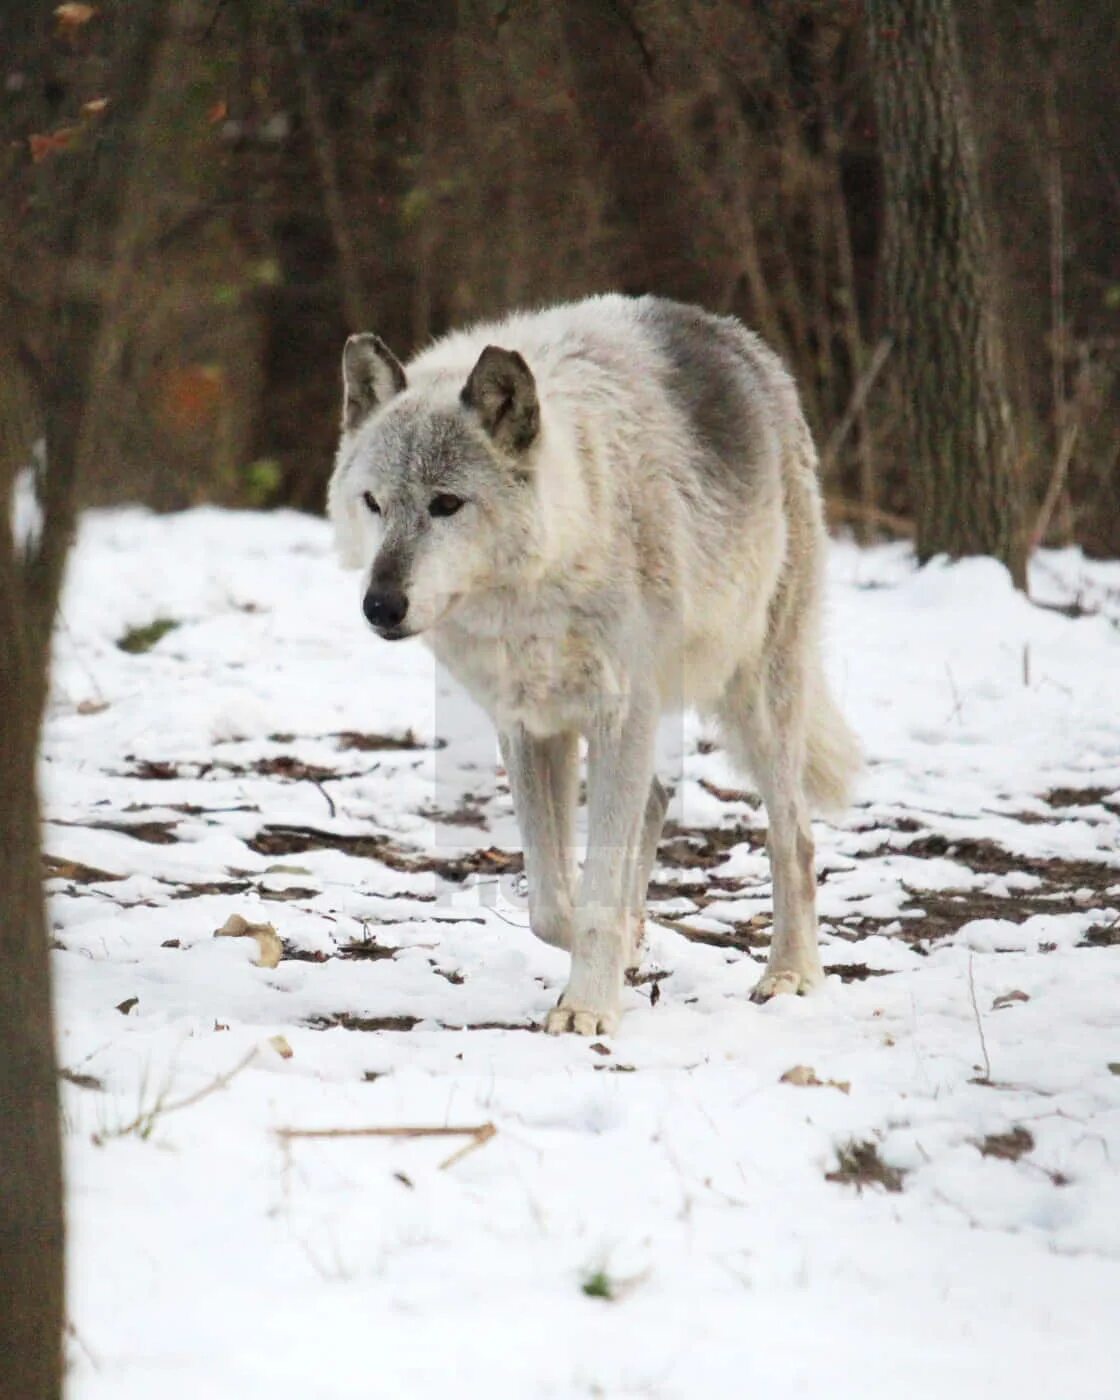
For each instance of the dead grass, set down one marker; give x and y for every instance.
(858, 1164)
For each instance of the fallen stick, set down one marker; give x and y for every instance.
(837, 508)
(479, 1135)
(1057, 481)
(855, 404)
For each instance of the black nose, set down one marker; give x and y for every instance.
(385, 607)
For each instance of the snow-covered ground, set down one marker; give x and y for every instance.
(267, 758)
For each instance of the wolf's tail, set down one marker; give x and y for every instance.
(832, 754)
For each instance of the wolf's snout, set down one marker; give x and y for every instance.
(385, 608)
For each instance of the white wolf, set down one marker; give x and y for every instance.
(613, 515)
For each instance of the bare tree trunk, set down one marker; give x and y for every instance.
(76, 217)
(939, 290)
(31, 1230)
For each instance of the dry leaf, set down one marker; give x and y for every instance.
(92, 707)
(1009, 999)
(124, 1007)
(268, 941)
(71, 17)
(805, 1077)
(281, 1046)
(44, 144)
(95, 106)
(218, 112)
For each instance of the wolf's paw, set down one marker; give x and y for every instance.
(786, 982)
(576, 1019)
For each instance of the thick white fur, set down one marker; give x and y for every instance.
(638, 557)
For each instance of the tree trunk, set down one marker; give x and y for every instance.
(939, 291)
(72, 223)
(31, 1228)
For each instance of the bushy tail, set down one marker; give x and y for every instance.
(833, 758)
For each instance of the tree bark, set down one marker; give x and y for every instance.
(31, 1224)
(75, 217)
(939, 291)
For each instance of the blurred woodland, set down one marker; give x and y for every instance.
(309, 169)
(916, 201)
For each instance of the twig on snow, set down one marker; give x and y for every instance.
(330, 800)
(145, 1120)
(479, 1134)
(979, 1024)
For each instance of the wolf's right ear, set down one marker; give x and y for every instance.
(371, 375)
(502, 391)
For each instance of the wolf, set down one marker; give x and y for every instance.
(594, 514)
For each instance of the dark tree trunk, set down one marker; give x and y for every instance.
(50, 328)
(939, 290)
(31, 1229)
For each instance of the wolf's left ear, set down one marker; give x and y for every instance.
(371, 375)
(502, 391)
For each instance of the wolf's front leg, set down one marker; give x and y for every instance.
(543, 776)
(619, 771)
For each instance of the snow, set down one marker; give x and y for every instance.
(211, 1257)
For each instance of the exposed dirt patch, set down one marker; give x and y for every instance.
(690, 848)
(292, 952)
(743, 940)
(858, 1164)
(470, 812)
(284, 766)
(154, 833)
(982, 856)
(350, 1022)
(293, 840)
(1082, 797)
(855, 972)
(379, 743)
(56, 868)
(1009, 1147)
(193, 891)
(367, 950)
(1102, 935)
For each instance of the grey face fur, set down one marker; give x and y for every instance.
(424, 488)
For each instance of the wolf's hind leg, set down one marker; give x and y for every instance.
(543, 774)
(764, 722)
(645, 856)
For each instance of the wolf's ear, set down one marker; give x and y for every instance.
(502, 391)
(371, 375)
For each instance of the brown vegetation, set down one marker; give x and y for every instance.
(325, 168)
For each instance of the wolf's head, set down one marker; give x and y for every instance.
(431, 489)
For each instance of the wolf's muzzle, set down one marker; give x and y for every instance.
(385, 608)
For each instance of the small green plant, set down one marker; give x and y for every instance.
(599, 1285)
(141, 639)
(261, 481)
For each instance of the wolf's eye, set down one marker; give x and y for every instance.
(445, 504)
(371, 504)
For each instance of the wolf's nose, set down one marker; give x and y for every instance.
(385, 607)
